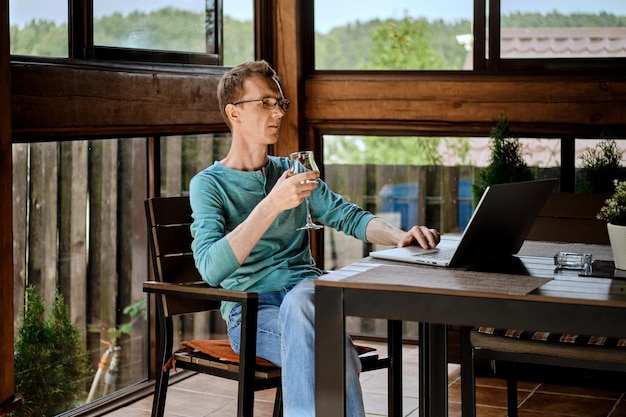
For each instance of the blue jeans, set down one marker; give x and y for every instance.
(286, 337)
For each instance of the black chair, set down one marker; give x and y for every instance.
(561, 220)
(509, 347)
(179, 290)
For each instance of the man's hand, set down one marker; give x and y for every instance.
(290, 190)
(421, 235)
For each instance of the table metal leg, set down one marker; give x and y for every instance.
(330, 361)
(433, 372)
(394, 372)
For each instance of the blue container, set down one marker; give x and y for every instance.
(465, 202)
(401, 198)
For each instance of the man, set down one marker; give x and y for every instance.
(246, 209)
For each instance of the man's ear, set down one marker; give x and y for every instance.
(232, 112)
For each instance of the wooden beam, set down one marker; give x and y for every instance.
(532, 104)
(76, 99)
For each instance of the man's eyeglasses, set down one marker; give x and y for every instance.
(269, 103)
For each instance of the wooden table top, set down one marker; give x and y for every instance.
(534, 277)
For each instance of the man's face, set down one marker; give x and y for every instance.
(256, 123)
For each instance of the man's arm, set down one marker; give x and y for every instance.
(382, 232)
(289, 192)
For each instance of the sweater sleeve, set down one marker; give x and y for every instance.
(212, 253)
(333, 210)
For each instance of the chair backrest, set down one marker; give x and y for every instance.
(569, 217)
(170, 239)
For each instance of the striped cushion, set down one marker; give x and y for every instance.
(573, 339)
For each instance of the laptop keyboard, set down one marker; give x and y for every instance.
(440, 254)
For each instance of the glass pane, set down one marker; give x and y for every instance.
(184, 25)
(395, 34)
(563, 29)
(38, 28)
(414, 180)
(598, 163)
(79, 226)
(181, 158)
(238, 32)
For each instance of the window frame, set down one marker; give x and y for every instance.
(81, 42)
(486, 51)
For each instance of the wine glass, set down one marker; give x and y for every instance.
(304, 161)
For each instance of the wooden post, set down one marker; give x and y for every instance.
(42, 220)
(73, 174)
(7, 387)
(102, 292)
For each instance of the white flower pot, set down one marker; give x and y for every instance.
(617, 237)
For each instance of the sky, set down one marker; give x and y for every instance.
(328, 13)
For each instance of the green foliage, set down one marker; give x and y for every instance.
(138, 310)
(345, 47)
(168, 29)
(52, 367)
(601, 165)
(555, 19)
(506, 163)
(39, 38)
(404, 44)
(401, 150)
(614, 209)
(238, 41)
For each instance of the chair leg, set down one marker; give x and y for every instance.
(160, 392)
(468, 382)
(278, 403)
(160, 388)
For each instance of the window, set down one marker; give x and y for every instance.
(396, 34)
(238, 32)
(425, 180)
(406, 35)
(188, 31)
(184, 26)
(39, 28)
(78, 226)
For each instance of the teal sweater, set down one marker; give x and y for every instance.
(222, 198)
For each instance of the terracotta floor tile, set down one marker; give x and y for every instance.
(570, 405)
(620, 408)
(579, 390)
(206, 396)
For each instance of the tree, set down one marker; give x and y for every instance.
(507, 160)
(404, 44)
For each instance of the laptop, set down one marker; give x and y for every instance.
(496, 230)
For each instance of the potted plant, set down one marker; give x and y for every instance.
(614, 213)
(506, 163)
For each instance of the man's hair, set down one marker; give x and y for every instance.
(230, 87)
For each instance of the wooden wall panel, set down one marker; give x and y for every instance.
(90, 100)
(577, 105)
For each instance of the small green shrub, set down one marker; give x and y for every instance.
(52, 367)
(506, 163)
(601, 165)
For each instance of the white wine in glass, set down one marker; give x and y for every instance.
(304, 161)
